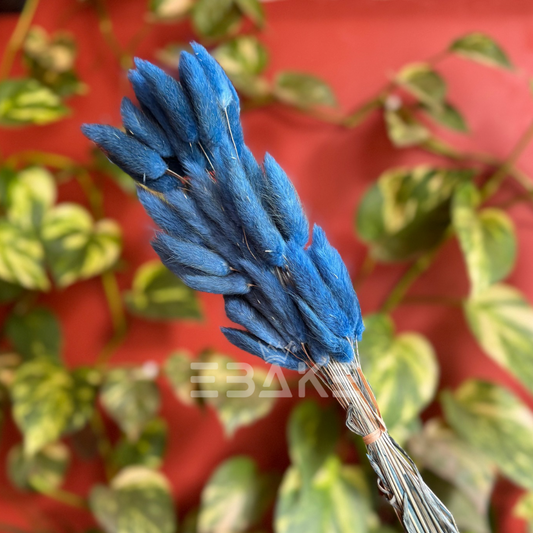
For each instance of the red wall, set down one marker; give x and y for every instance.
(354, 45)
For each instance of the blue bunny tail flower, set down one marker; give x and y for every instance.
(226, 224)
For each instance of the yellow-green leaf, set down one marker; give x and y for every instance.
(403, 129)
(402, 370)
(524, 509)
(481, 48)
(495, 422)
(29, 196)
(147, 450)
(440, 450)
(169, 10)
(131, 398)
(22, 257)
(423, 83)
(27, 101)
(303, 90)
(234, 498)
(407, 211)
(502, 322)
(487, 238)
(336, 499)
(216, 18)
(252, 9)
(448, 116)
(158, 294)
(43, 405)
(137, 501)
(179, 372)
(35, 334)
(238, 403)
(43, 472)
(76, 247)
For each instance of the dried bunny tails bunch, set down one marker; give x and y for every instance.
(230, 226)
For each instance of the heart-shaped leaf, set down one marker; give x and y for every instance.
(131, 398)
(27, 101)
(252, 9)
(216, 18)
(487, 238)
(137, 501)
(495, 422)
(159, 295)
(481, 48)
(303, 90)
(169, 10)
(403, 129)
(423, 83)
(234, 498)
(402, 370)
(35, 334)
(448, 116)
(179, 372)
(407, 211)
(502, 321)
(76, 247)
(43, 471)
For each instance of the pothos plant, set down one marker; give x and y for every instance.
(407, 215)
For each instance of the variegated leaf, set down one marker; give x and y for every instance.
(159, 295)
(524, 509)
(303, 90)
(131, 398)
(495, 422)
(137, 501)
(423, 83)
(502, 322)
(335, 500)
(179, 372)
(402, 370)
(234, 498)
(481, 48)
(76, 247)
(407, 211)
(235, 391)
(43, 471)
(487, 238)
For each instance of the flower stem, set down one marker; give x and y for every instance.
(17, 37)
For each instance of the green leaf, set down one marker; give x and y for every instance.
(237, 403)
(50, 60)
(335, 500)
(303, 90)
(407, 211)
(102, 164)
(524, 509)
(252, 9)
(131, 397)
(76, 247)
(147, 450)
(169, 10)
(216, 18)
(43, 472)
(495, 422)
(137, 501)
(403, 129)
(85, 382)
(481, 48)
(27, 101)
(43, 405)
(35, 334)
(234, 498)
(9, 291)
(402, 370)
(159, 295)
(178, 371)
(22, 257)
(244, 58)
(423, 83)
(448, 116)
(487, 238)
(29, 196)
(312, 434)
(502, 322)
(439, 450)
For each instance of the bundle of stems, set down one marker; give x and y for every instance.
(230, 226)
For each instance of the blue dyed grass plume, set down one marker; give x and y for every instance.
(230, 226)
